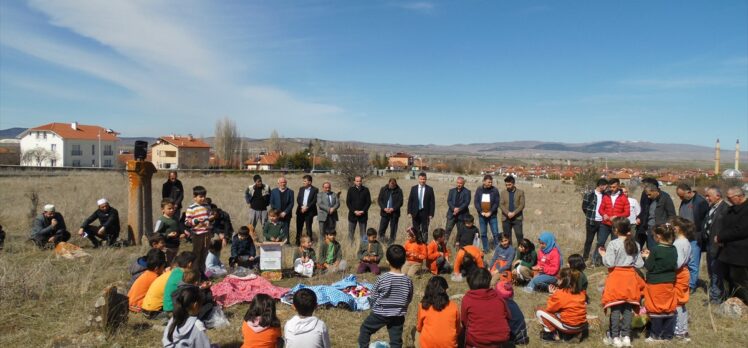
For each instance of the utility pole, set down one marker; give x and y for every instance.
(99, 136)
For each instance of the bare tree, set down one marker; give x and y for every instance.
(352, 161)
(226, 141)
(275, 142)
(38, 155)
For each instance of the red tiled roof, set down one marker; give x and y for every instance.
(180, 141)
(268, 159)
(82, 131)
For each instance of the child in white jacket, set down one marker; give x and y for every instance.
(305, 330)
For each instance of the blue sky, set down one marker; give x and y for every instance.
(411, 72)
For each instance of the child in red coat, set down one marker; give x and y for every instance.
(485, 316)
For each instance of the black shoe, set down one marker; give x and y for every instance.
(549, 336)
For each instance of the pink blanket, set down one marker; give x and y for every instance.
(232, 289)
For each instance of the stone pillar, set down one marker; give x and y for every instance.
(140, 203)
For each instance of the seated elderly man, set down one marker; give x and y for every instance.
(49, 227)
(108, 228)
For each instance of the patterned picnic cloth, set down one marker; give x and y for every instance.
(233, 289)
(333, 294)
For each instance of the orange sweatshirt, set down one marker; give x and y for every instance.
(258, 337)
(476, 253)
(571, 308)
(432, 253)
(154, 298)
(415, 252)
(139, 289)
(438, 328)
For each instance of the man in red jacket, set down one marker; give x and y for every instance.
(614, 204)
(484, 314)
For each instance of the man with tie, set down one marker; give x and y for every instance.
(327, 208)
(421, 206)
(390, 201)
(358, 201)
(306, 203)
(458, 203)
(281, 199)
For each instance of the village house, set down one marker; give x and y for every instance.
(263, 162)
(399, 161)
(180, 152)
(68, 145)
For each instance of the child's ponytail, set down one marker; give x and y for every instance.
(622, 227)
(570, 280)
(184, 300)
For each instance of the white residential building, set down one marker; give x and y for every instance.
(68, 145)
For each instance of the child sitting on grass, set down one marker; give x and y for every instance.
(139, 265)
(184, 328)
(501, 263)
(549, 263)
(168, 227)
(261, 327)
(467, 259)
(389, 299)
(153, 302)
(305, 330)
(156, 261)
(369, 253)
(566, 309)
(659, 294)
(517, 323)
(330, 257)
(576, 261)
(274, 230)
(623, 286)
(304, 257)
(243, 251)
(525, 259)
(184, 263)
(213, 266)
(437, 253)
(466, 233)
(438, 317)
(484, 315)
(415, 253)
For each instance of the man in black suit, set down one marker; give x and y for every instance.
(173, 189)
(306, 203)
(390, 201)
(421, 206)
(358, 201)
(713, 224)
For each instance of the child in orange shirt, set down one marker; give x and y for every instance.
(415, 253)
(437, 253)
(261, 327)
(156, 261)
(467, 253)
(438, 317)
(566, 309)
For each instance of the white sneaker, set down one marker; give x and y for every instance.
(617, 342)
(626, 341)
(652, 340)
(607, 340)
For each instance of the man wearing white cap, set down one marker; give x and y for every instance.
(108, 225)
(49, 227)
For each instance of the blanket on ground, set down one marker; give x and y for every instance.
(347, 292)
(233, 289)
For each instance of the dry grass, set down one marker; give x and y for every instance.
(45, 301)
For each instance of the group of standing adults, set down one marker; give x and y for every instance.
(720, 228)
(421, 207)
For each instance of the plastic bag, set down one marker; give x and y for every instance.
(477, 242)
(217, 319)
(306, 269)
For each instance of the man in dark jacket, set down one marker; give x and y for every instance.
(49, 227)
(693, 207)
(643, 217)
(390, 201)
(173, 189)
(306, 208)
(458, 206)
(734, 238)
(281, 199)
(257, 196)
(358, 201)
(713, 224)
(591, 208)
(108, 225)
(421, 207)
(487, 204)
(512, 204)
(661, 209)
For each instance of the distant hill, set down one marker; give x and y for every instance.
(11, 132)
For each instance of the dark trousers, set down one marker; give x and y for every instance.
(60, 236)
(374, 322)
(716, 270)
(109, 237)
(507, 226)
(200, 245)
(602, 236)
(372, 267)
(662, 328)
(302, 220)
(592, 229)
(286, 223)
(421, 224)
(327, 225)
(739, 282)
(352, 231)
(391, 220)
(451, 223)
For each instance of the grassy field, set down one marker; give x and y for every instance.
(45, 301)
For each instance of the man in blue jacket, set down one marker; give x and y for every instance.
(487, 204)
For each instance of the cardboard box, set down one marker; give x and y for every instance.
(271, 257)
